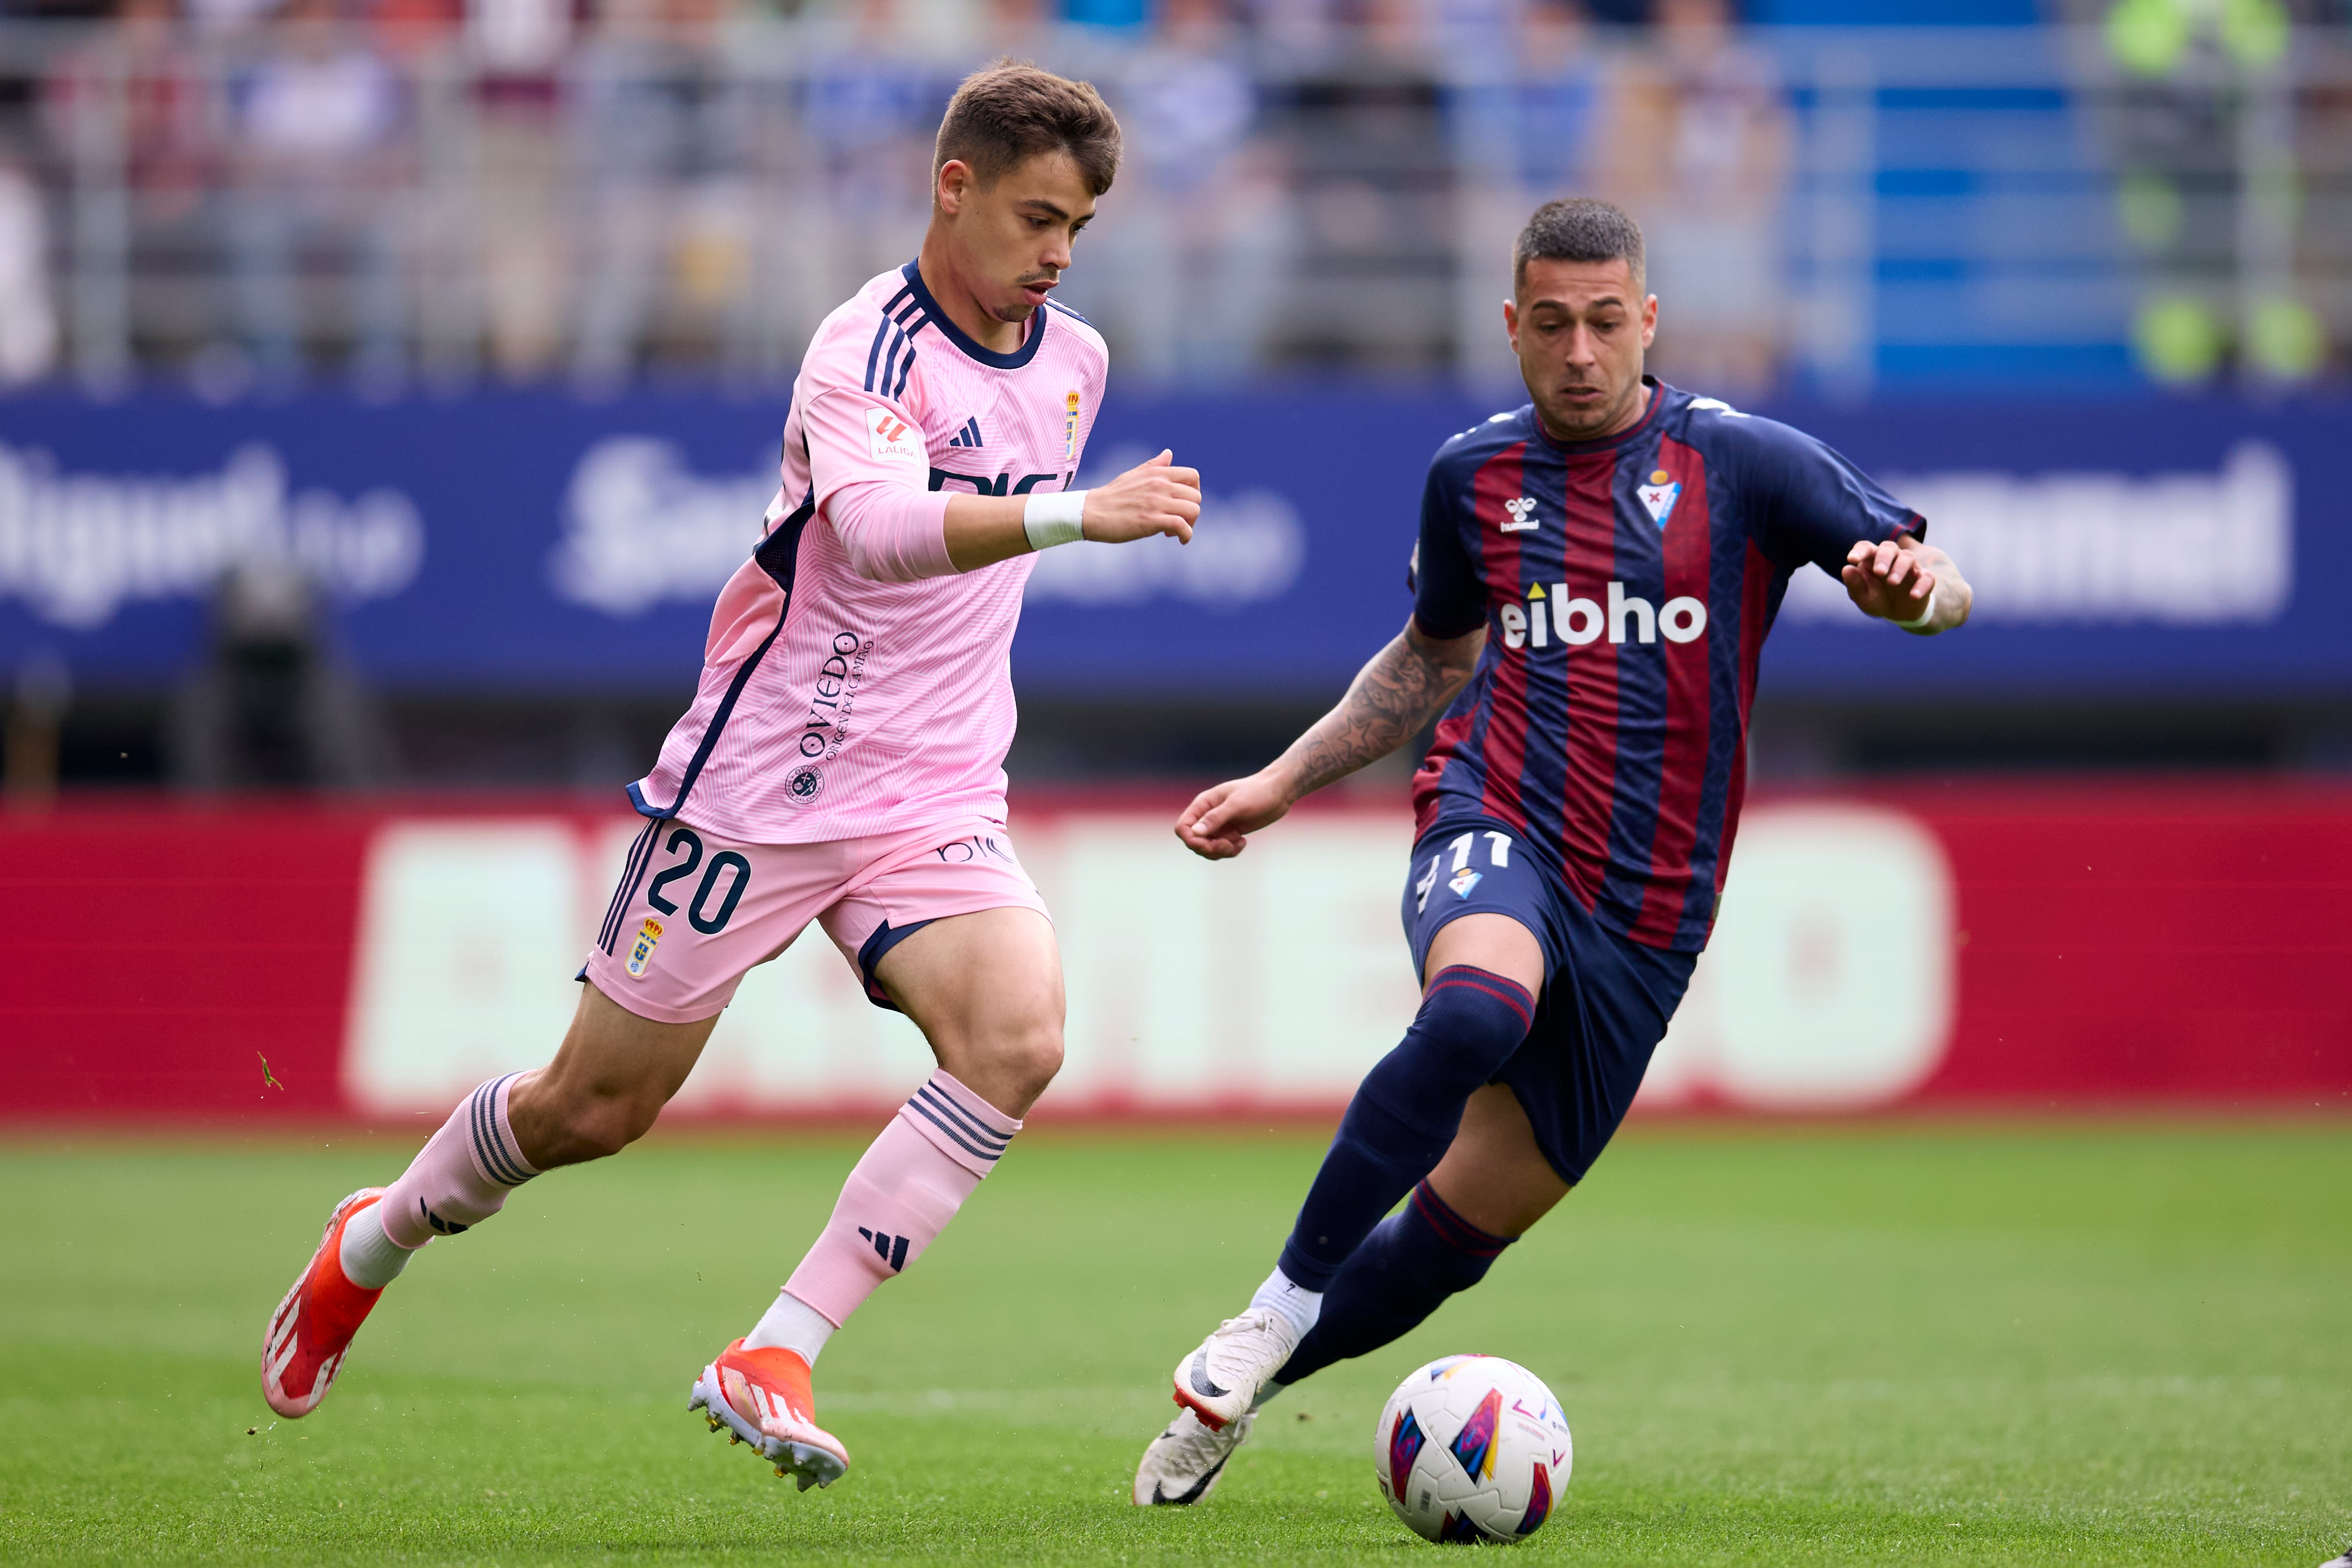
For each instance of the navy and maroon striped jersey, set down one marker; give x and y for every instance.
(1625, 586)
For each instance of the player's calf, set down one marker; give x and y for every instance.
(1405, 1115)
(902, 1193)
(1404, 1270)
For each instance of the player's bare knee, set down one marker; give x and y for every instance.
(1009, 1061)
(1034, 1055)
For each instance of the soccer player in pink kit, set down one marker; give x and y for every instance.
(843, 761)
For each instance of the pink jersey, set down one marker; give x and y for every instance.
(855, 683)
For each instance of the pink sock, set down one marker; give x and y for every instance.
(904, 1190)
(463, 1176)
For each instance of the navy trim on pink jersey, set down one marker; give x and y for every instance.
(1027, 351)
(778, 556)
(883, 333)
(641, 855)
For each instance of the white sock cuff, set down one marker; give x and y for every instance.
(959, 1124)
(1282, 1295)
(791, 1323)
(490, 1138)
(367, 1255)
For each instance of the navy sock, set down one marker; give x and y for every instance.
(1404, 1115)
(1410, 1262)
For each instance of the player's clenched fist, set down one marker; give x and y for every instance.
(1217, 825)
(1153, 496)
(1887, 580)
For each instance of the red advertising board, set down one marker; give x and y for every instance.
(2000, 946)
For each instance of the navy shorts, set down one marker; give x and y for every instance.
(1606, 999)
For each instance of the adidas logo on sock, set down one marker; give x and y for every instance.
(437, 1224)
(890, 1249)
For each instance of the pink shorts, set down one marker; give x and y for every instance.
(696, 911)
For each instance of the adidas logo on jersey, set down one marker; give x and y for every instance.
(1579, 621)
(967, 436)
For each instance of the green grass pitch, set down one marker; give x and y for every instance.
(1936, 1343)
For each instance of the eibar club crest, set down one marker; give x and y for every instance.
(1523, 514)
(1660, 495)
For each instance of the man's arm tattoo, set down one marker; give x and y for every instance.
(1406, 685)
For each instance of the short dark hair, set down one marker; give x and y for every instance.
(1577, 229)
(1008, 112)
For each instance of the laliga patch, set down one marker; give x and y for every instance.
(1461, 881)
(888, 436)
(641, 952)
(1659, 496)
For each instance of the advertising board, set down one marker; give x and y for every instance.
(514, 542)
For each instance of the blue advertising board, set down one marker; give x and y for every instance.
(524, 541)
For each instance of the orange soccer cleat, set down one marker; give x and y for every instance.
(762, 1398)
(314, 1325)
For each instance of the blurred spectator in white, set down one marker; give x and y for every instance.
(1522, 121)
(517, 48)
(28, 325)
(1196, 234)
(1698, 152)
(322, 147)
(666, 127)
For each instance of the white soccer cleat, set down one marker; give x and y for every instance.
(2342, 1562)
(1181, 1464)
(1219, 1380)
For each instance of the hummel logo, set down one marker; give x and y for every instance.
(890, 1249)
(1522, 510)
(967, 436)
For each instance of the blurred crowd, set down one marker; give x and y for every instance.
(261, 191)
(257, 193)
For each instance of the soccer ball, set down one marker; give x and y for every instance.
(1472, 1447)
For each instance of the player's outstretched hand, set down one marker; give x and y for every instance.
(1217, 825)
(1889, 580)
(1151, 497)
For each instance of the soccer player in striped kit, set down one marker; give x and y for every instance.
(1595, 575)
(843, 763)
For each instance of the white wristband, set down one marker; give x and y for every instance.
(1924, 615)
(1053, 517)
